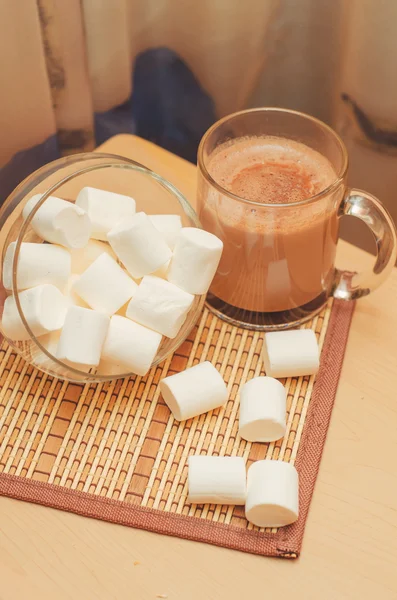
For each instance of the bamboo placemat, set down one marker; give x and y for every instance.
(114, 452)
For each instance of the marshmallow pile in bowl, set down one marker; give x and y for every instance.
(107, 285)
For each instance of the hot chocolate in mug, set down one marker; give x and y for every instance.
(272, 187)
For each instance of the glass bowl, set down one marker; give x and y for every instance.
(64, 178)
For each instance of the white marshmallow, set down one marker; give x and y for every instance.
(139, 245)
(160, 305)
(272, 494)
(82, 258)
(50, 342)
(194, 391)
(105, 286)
(196, 257)
(169, 225)
(74, 299)
(82, 336)
(216, 480)
(262, 410)
(44, 308)
(291, 353)
(59, 221)
(131, 345)
(162, 271)
(43, 362)
(105, 209)
(37, 264)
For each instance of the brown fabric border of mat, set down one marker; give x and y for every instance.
(286, 543)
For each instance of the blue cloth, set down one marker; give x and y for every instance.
(25, 162)
(112, 122)
(168, 106)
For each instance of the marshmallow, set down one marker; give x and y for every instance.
(82, 336)
(169, 226)
(44, 308)
(105, 209)
(105, 286)
(272, 494)
(82, 258)
(74, 299)
(160, 305)
(262, 410)
(50, 342)
(162, 271)
(59, 221)
(194, 391)
(37, 264)
(131, 345)
(291, 353)
(139, 245)
(43, 362)
(196, 257)
(216, 480)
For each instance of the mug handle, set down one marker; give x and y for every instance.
(350, 285)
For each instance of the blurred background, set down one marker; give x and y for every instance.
(74, 73)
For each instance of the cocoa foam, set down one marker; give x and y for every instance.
(270, 170)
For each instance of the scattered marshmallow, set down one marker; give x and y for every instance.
(44, 308)
(216, 480)
(160, 305)
(194, 391)
(74, 299)
(105, 209)
(139, 245)
(130, 345)
(291, 353)
(105, 286)
(272, 494)
(262, 410)
(169, 225)
(59, 221)
(37, 264)
(82, 336)
(82, 258)
(196, 257)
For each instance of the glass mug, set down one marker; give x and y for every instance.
(278, 265)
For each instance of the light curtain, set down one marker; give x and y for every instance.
(65, 64)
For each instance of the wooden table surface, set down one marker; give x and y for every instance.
(350, 544)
